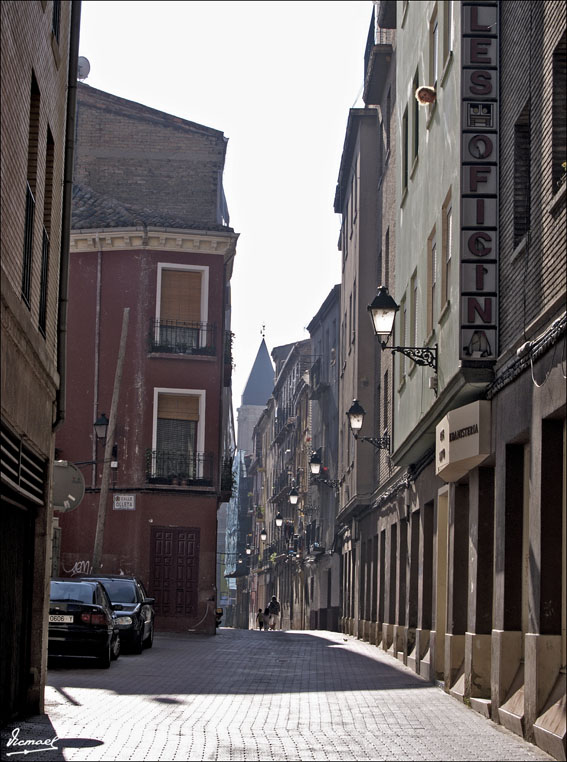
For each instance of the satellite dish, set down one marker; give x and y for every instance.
(68, 486)
(83, 68)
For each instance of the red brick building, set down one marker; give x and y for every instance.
(150, 233)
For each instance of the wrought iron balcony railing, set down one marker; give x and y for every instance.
(182, 338)
(227, 475)
(179, 468)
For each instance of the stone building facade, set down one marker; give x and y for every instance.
(322, 567)
(466, 580)
(39, 71)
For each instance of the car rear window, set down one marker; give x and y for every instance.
(120, 591)
(72, 591)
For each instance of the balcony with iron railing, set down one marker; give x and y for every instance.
(227, 477)
(285, 420)
(281, 484)
(377, 57)
(228, 358)
(182, 338)
(167, 467)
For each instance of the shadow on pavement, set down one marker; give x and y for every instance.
(241, 662)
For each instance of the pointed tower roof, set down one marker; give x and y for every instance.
(260, 382)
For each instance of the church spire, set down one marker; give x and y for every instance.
(260, 384)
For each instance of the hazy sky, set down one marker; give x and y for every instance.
(278, 79)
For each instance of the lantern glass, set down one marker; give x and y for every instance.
(101, 426)
(279, 520)
(356, 415)
(315, 464)
(382, 313)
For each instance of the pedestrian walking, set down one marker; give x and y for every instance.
(274, 612)
(260, 619)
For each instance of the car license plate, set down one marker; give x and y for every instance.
(64, 618)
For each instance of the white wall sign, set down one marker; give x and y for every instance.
(462, 440)
(124, 502)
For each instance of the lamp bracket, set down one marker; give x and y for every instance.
(380, 443)
(419, 355)
(334, 483)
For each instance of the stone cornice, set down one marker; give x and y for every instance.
(155, 239)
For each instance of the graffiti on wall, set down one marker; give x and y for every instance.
(79, 567)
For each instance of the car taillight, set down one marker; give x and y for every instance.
(93, 618)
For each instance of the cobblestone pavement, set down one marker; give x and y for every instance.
(249, 695)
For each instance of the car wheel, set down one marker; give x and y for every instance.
(149, 641)
(115, 652)
(105, 658)
(138, 646)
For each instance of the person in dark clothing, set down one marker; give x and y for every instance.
(274, 611)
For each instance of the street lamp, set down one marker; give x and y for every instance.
(315, 464)
(293, 496)
(101, 427)
(279, 519)
(382, 314)
(263, 535)
(248, 550)
(356, 415)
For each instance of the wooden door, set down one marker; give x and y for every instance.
(174, 570)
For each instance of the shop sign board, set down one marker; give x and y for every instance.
(462, 440)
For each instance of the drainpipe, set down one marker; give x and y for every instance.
(66, 217)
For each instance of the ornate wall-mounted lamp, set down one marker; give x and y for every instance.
(101, 427)
(316, 468)
(382, 314)
(356, 415)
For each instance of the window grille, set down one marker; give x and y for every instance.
(21, 469)
(56, 19)
(28, 246)
(43, 289)
(522, 189)
(559, 118)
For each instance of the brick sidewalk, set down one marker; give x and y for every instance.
(249, 695)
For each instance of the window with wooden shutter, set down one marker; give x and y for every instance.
(180, 407)
(176, 435)
(180, 296)
(180, 329)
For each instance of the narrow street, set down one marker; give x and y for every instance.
(249, 695)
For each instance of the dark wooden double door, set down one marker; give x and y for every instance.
(174, 570)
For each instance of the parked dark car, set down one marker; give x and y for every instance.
(82, 621)
(134, 610)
